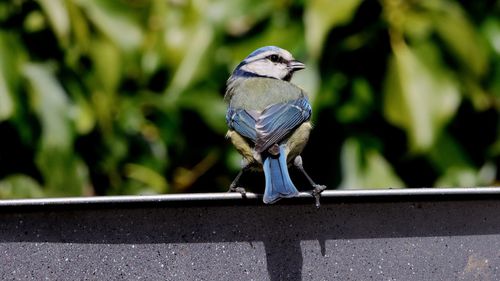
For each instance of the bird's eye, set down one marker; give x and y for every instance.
(274, 58)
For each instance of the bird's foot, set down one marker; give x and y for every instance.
(238, 189)
(316, 193)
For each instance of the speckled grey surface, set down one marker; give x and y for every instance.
(450, 240)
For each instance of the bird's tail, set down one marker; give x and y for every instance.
(278, 182)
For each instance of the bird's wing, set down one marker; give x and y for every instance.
(278, 120)
(243, 122)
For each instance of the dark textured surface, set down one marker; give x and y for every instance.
(448, 240)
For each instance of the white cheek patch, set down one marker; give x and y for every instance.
(266, 69)
(257, 67)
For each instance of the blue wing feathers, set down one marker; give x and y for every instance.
(272, 125)
(278, 120)
(242, 122)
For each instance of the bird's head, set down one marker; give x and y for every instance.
(269, 61)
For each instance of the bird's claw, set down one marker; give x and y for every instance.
(316, 193)
(238, 189)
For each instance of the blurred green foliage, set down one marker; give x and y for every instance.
(125, 96)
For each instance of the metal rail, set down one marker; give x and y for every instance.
(335, 195)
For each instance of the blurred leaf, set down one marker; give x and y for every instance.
(480, 98)
(80, 29)
(122, 30)
(321, 16)
(464, 42)
(309, 79)
(487, 174)
(459, 34)
(359, 105)
(491, 29)
(183, 178)
(209, 105)
(495, 148)
(131, 120)
(156, 144)
(6, 102)
(417, 24)
(64, 174)
(459, 176)
(108, 66)
(234, 160)
(58, 17)
(153, 51)
(10, 58)
(455, 167)
(236, 16)
(129, 116)
(330, 86)
(82, 112)
(191, 64)
(455, 154)
(84, 117)
(420, 96)
(365, 168)
(51, 104)
(62, 171)
(19, 186)
(4, 10)
(147, 176)
(34, 22)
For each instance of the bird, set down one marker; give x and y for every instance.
(268, 120)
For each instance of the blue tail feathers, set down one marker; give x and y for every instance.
(278, 182)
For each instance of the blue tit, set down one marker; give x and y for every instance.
(269, 120)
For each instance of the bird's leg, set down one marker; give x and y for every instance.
(234, 185)
(317, 188)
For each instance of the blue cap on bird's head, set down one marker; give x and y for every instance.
(268, 61)
(264, 49)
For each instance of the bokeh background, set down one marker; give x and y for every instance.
(125, 96)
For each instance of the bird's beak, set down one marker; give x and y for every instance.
(296, 65)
